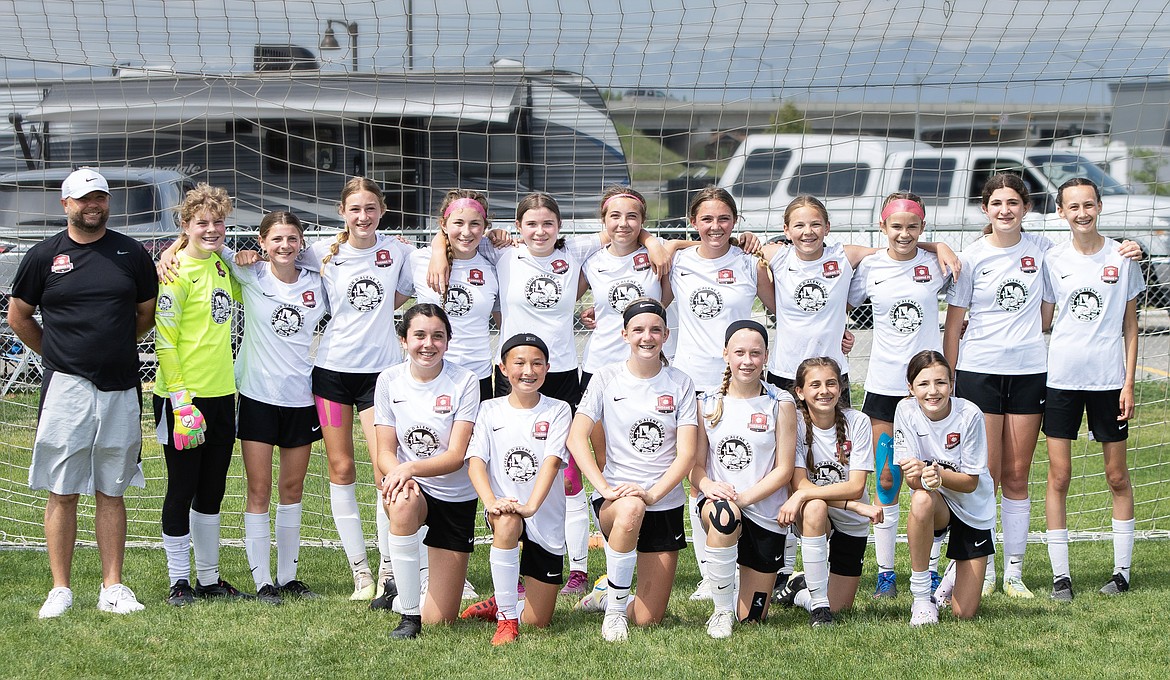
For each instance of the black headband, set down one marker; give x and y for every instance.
(742, 324)
(643, 307)
(523, 340)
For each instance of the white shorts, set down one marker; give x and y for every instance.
(86, 439)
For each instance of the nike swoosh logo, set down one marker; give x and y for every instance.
(685, 273)
(497, 429)
(778, 558)
(194, 280)
(90, 179)
(123, 252)
(985, 272)
(878, 283)
(922, 434)
(1064, 276)
(979, 544)
(554, 574)
(618, 398)
(316, 427)
(723, 587)
(339, 262)
(399, 401)
(679, 537)
(269, 295)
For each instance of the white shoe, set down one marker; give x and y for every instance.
(58, 602)
(923, 613)
(384, 572)
(594, 600)
(615, 628)
(363, 585)
(719, 625)
(942, 594)
(469, 591)
(701, 592)
(118, 599)
(988, 584)
(1014, 587)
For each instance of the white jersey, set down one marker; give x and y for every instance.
(958, 443)
(515, 444)
(273, 364)
(1002, 288)
(1087, 351)
(741, 449)
(360, 338)
(539, 294)
(472, 294)
(827, 469)
(422, 415)
(811, 299)
(640, 418)
(709, 295)
(616, 281)
(904, 298)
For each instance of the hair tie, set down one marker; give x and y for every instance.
(461, 203)
(643, 307)
(903, 205)
(736, 326)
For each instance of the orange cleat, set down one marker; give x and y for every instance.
(484, 609)
(507, 630)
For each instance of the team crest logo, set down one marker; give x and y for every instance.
(422, 441)
(646, 436)
(810, 295)
(443, 403)
(309, 299)
(922, 274)
(706, 303)
(1012, 295)
(540, 430)
(165, 302)
(623, 293)
(520, 465)
(906, 316)
(1028, 264)
(899, 440)
(382, 258)
(734, 453)
(952, 440)
(458, 301)
(846, 447)
(665, 404)
(641, 262)
(219, 268)
(758, 422)
(1084, 304)
(828, 472)
(286, 321)
(475, 277)
(1109, 275)
(61, 264)
(560, 266)
(725, 276)
(831, 269)
(365, 293)
(542, 292)
(221, 306)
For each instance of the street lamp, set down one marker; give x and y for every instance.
(329, 40)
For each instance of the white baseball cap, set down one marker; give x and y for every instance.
(83, 181)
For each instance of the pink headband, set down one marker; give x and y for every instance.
(461, 203)
(903, 205)
(606, 201)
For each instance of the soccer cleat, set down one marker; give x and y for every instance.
(887, 586)
(220, 588)
(469, 590)
(988, 585)
(383, 574)
(719, 625)
(576, 584)
(484, 610)
(182, 594)
(58, 602)
(118, 599)
(507, 630)
(520, 590)
(268, 595)
(820, 617)
(701, 592)
(946, 585)
(923, 613)
(781, 581)
(385, 600)
(408, 628)
(297, 588)
(795, 584)
(363, 585)
(1116, 585)
(935, 579)
(1013, 586)
(1062, 589)
(595, 600)
(615, 628)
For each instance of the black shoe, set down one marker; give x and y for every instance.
(408, 628)
(220, 588)
(181, 594)
(1115, 586)
(821, 616)
(788, 593)
(386, 599)
(781, 581)
(297, 588)
(268, 595)
(1062, 589)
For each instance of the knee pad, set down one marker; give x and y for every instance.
(723, 518)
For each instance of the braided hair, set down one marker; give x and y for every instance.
(353, 186)
(838, 412)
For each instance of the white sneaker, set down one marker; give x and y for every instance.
(594, 600)
(942, 594)
(469, 591)
(701, 592)
(923, 613)
(363, 585)
(384, 572)
(118, 599)
(58, 602)
(615, 628)
(719, 625)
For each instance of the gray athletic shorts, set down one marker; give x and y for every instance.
(86, 439)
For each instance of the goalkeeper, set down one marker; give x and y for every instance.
(194, 396)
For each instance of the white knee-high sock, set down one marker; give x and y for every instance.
(505, 564)
(288, 541)
(1122, 546)
(885, 535)
(721, 576)
(383, 521)
(989, 573)
(698, 536)
(577, 531)
(814, 551)
(620, 569)
(404, 553)
(936, 551)
(178, 550)
(205, 537)
(920, 585)
(791, 543)
(1015, 514)
(1057, 540)
(258, 547)
(343, 503)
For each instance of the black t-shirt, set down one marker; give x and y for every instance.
(88, 295)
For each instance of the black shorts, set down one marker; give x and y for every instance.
(284, 426)
(966, 543)
(485, 389)
(846, 553)
(880, 406)
(219, 417)
(351, 389)
(790, 385)
(539, 563)
(759, 548)
(451, 523)
(586, 376)
(1000, 394)
(1063, 410)
(662, 530)
(563, 385)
